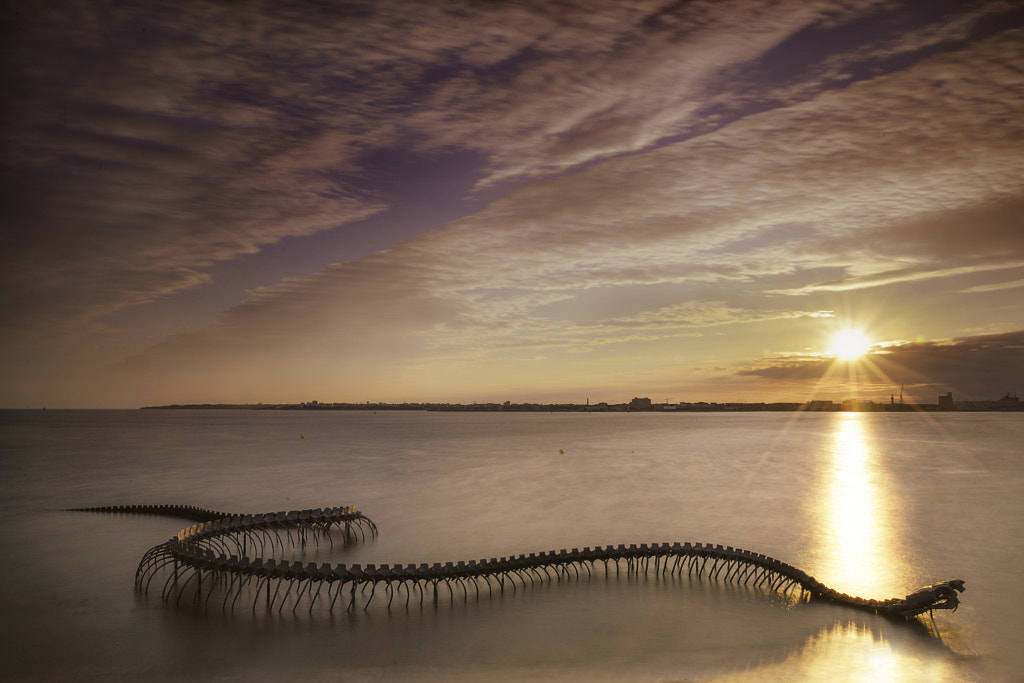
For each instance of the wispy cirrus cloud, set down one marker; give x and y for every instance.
(994, 287)
(978, 237)
(850, 167)
(173, 136)
(688, 162)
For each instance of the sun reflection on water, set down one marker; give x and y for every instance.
(849, 651)
(855, 515)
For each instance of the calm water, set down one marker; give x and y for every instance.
(874, 505)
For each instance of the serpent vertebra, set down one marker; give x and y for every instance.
(217, 549)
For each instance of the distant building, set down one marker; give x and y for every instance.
(640, 404)
(946, 402)
(783, 406)
(1009, 402)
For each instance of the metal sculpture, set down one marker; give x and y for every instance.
(223, 555)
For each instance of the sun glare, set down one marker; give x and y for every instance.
(849, 345)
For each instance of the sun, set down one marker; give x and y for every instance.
(849, 344)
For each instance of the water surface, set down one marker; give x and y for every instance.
(874, 505)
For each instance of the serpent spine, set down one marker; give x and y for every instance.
(213, 557)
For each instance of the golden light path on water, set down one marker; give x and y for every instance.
(857, 550)
(855, 513)
(854, 535)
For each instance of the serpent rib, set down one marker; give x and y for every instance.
(217, 550)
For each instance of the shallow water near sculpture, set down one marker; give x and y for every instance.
(872, 505)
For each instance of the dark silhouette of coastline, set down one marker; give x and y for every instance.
(1009, 402)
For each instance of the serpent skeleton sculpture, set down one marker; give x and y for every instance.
(212, 558)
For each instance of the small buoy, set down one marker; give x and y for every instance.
(561, 450)
(302, 436)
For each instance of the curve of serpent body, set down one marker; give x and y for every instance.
(212, 557)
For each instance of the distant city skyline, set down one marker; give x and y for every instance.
(456, 201)
(642, 403)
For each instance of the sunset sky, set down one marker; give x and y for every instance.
(528, 201)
